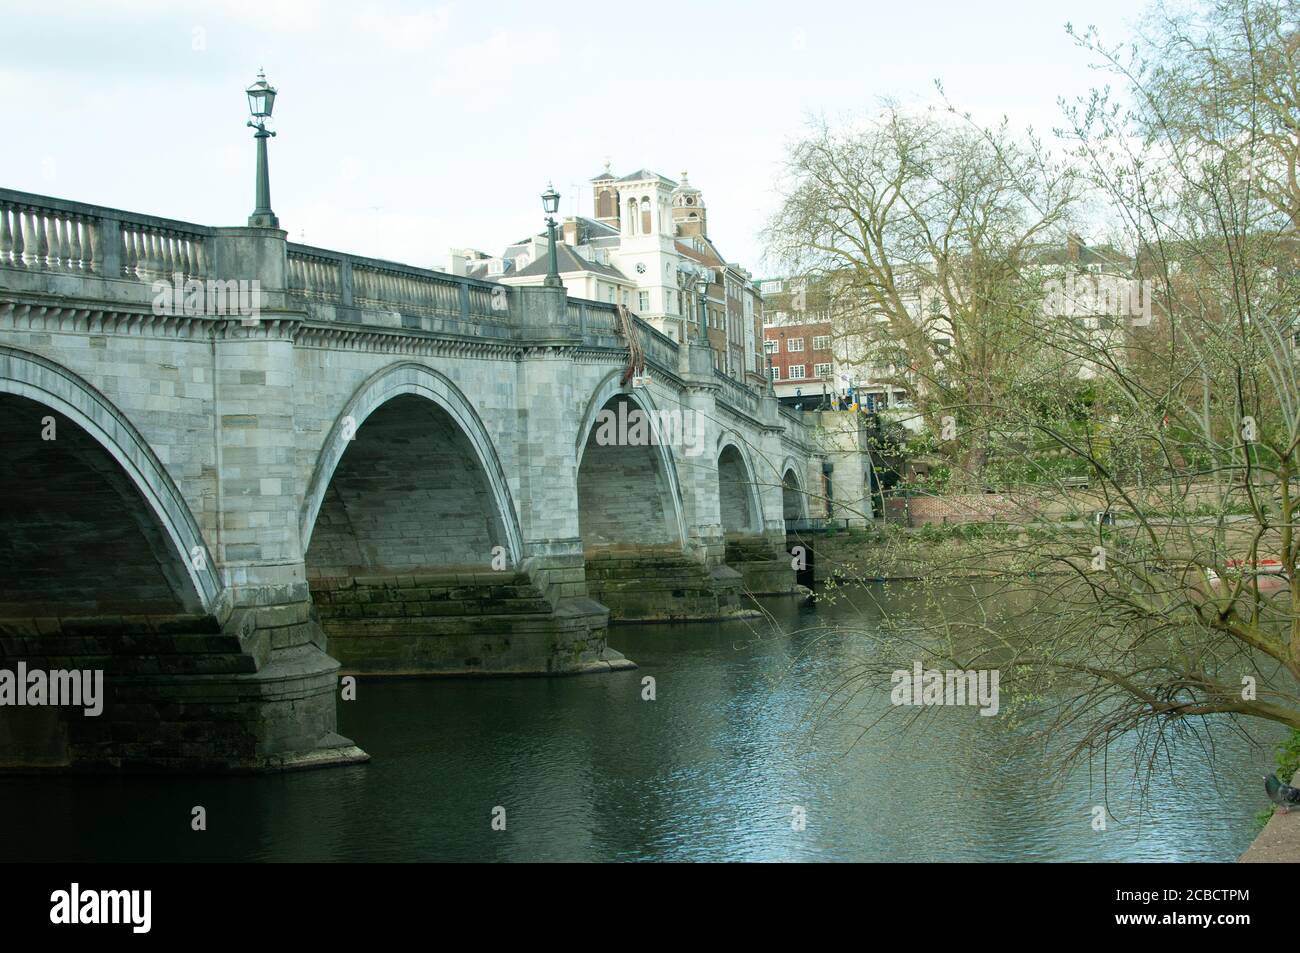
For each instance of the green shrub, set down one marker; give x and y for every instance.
(1288, 757)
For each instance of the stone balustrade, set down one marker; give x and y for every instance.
(267, 450)
(44, 234)
(49, 235)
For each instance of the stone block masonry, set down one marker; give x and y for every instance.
(649, 584)
(947, 510)
(390, 469)
(460, 623)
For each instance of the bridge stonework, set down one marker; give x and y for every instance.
(384, 469)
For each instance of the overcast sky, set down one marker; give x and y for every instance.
(409, 128)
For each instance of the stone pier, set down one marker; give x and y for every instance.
(378, 467)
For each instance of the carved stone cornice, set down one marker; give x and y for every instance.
(131, 322)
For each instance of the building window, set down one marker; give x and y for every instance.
(822, 342)
(794, 344)
(796, 371)
(645, 216)
(776, 373)
(821, 370)
(643, 301)
(769, 347)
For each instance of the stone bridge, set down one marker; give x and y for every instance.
(217, 500)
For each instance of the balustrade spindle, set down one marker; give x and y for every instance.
(6, 238)
(50, 248)
(20, 242)
(138, 263)
(96, 247)
(73, 244)
(33, 232)
(133, 252)
(144, 255)
(69, 260)
(42, 240)
(75, 260)
(128, 252)
(59, 247)
(155, 267)
(54, 257)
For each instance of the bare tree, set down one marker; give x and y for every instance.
(922, 230)
(1162, 599)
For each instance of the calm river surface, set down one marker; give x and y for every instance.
(711, 770)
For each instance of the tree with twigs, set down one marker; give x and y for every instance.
(1161, 598)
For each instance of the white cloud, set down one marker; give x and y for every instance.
(502, 62)
(407, 32)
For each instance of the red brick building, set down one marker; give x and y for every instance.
(801, 358)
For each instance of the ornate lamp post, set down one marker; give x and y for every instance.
(261, 100)
(702, 291)
(551, 205)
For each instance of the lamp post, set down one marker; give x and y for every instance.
(702, 290)
(261, 100)
(551, 204)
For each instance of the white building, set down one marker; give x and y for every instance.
(646, 248)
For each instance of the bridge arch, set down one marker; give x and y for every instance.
(101, 487)
(739, 503)
(408, 455)
(794, 499)
(610, 477)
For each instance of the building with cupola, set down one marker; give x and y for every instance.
(646, 247)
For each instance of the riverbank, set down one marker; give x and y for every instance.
(886, 552)
(1279, 841)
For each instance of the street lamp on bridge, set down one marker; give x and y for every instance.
(261, 100)
(702, 290)
(551, 205)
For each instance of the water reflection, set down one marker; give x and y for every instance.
(712, 769)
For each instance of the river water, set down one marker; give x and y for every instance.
(721, 765)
